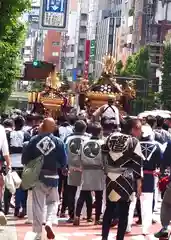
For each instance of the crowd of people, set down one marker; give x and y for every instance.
(113, 164)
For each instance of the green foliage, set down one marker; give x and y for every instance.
(136, 65)
(129, 69)
(119, 66)
(12, 34)
(166, 78)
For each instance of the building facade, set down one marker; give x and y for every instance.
(52, 48)
(33, 45)
(76, 39)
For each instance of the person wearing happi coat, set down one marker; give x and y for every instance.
(152, 160)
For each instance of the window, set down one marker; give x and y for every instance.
(27, 47)
(83, 16)
(131, 29)
(111, 30)
(72, 60)
(110, 39)
(55, 43)
(55, 54)
(72, 48)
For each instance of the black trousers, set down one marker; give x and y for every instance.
(123, 209)
(85, 196)
(7, 200)
(64, 195)
(60, 183)
(138, 209)
(71, 191)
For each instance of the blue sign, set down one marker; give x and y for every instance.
(74, 74)
(55, 5)
(54, 14)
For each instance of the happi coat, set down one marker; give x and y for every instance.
(73, 148)
(123, 165)
(152, 159)
(92, 165)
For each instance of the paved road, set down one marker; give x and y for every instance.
(16, 230)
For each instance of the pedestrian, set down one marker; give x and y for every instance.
(73, 147)
(45, 191)
(93, 178)
(4, 149)
(123, 166)
(17, 137)
(152, 159)
(165, 212)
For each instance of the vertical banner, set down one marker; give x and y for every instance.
(87, 58)
(54, 14)
(92, 50)
(74, 74)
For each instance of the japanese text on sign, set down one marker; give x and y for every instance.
(54, 13)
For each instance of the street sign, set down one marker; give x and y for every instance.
(54, 14)
(92, 43)
(92, 50)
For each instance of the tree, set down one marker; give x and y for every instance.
(166, 78)
(136, 64)
(118, 67)
(12, 35)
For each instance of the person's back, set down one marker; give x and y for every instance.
(53, 150)
(73, 146)
(109, 111)
(123, 168)
(17, 137)
(161, 135)
(45, 190)
(65, 130)
(92, 160)
(152, 159)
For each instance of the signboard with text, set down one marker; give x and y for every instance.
(92, 50)
(54, 15)
(34, 15)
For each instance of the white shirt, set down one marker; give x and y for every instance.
(111, 112)
(65, 132)
(27, 128)
(108, 112)
(3, 142)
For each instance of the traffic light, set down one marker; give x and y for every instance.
(36, 63)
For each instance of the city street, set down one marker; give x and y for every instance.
(17, 229)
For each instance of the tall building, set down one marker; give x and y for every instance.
(77, 35)
(104, 43)
(151, 24)
(124, 33)
(109, 19)
(93, 13)
(52, 47)
(33, 45)
(97, 10)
